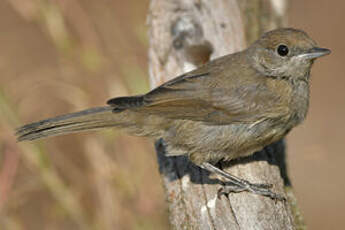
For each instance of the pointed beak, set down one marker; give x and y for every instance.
(315, 53)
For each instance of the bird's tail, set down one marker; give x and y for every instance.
(94, 118)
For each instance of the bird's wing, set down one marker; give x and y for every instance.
(193, 97)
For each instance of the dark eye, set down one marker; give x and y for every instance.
(282, 50)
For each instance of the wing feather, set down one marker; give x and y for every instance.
(193, 96)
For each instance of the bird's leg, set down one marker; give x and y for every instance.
(240, 185)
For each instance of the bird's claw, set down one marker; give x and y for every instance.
(260, 189)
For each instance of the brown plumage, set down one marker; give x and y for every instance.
(228, 108)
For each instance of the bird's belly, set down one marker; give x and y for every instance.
(222, 142)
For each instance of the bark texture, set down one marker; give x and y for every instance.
(183, 35)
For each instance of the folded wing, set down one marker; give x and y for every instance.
(195, 96)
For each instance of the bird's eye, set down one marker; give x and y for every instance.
(282, 50)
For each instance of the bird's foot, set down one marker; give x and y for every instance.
(235, 184)
(260, 189)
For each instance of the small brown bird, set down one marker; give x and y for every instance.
(228, 108)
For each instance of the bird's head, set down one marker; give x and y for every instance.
(285, 52)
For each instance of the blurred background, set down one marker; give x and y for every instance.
(62, 56)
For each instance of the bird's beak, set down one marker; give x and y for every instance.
(315, 53)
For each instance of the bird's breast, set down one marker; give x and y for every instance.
(299, 101)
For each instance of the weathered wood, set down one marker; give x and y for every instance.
(185, 34)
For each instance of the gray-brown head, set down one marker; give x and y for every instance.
(285, 52)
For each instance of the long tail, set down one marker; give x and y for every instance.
(89, 119)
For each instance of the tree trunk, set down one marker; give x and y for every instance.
(183, 35)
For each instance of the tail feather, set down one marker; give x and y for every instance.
(89, 119)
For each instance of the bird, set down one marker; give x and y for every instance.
(228, 108)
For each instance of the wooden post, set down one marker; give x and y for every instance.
(183, 35)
